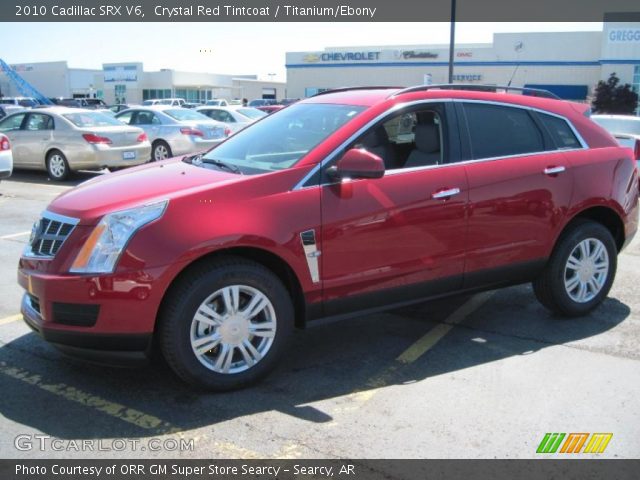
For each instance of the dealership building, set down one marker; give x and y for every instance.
(129, 83)
(567, 63)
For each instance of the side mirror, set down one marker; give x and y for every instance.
(358, 163)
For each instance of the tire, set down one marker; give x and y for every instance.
(235, 350)
(568, 285)
(160, 151)
(57, 166)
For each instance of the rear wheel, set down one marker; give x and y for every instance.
(580, 271)
(160, 151)
(225, 324)
(57, 166)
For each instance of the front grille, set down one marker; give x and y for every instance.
(49, 233)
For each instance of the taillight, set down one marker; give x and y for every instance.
(227, 131)
(142, 137)
(93, 138)
(191, 131)
(4, 143)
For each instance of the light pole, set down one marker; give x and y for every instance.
(452, 39)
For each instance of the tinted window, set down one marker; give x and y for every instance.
(37, 121)
(560, 131)
(125, 117)
(12, 123)
(498, 131)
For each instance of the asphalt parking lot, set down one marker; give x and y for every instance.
(475, 377)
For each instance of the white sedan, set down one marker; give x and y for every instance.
(626, 129)
(6, 158)
(236, 117)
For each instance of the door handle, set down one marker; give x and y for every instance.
(554, 170)
(445, 194)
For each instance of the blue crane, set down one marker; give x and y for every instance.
(24, 87)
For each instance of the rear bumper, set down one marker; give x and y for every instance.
(112, 349)
(99, 156)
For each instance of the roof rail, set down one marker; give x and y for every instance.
(346, 89)
(534, 92)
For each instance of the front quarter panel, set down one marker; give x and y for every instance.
(261, 213)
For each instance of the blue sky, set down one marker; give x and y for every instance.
(237, 48)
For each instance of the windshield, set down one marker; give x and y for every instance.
(184, 114)
(91, 119)
(280, 140)
(252, 113)
(619, 125)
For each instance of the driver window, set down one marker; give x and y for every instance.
(410, 139)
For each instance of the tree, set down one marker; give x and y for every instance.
(611, 97)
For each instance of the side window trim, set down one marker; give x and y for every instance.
(531, 110)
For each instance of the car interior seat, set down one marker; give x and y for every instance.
(427, 151)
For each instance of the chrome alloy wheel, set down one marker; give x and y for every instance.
(233, 329)
(586, 270)
(57, 166)
(160, 152)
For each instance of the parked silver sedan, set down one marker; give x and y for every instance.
(236, 117)
(61, 140)
(175, 131)
(6, 158)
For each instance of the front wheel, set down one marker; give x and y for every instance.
(580, 272)
(225, 324)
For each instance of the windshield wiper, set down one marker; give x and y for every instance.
(199, 159)
(220, 164)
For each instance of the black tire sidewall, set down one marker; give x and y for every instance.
(567, 244)
(181, 355)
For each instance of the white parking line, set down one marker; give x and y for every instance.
(14, 235)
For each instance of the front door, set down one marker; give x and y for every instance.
(402, 236)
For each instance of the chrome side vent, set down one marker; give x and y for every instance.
(311, 252)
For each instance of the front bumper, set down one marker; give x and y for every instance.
(112, 349)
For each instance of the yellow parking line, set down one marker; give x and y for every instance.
(14, 235)
(112, 409)
(433, 336)
(415, 351)
(12, 318)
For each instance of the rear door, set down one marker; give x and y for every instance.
(520, 187)
(36, 136)
(402, 236)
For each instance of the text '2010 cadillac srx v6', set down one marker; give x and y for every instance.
(344, 202)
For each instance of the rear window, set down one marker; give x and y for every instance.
(560, 131)
(498, 131)
(252, 113)
(184, 114)
(91, 119)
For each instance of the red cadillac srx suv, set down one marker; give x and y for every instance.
(349, 201)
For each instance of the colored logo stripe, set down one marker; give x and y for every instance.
(550, 443)
(598, 442)
(574, 442)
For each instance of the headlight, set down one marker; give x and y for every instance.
(103, 248)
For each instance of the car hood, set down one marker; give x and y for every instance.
(136, 186)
